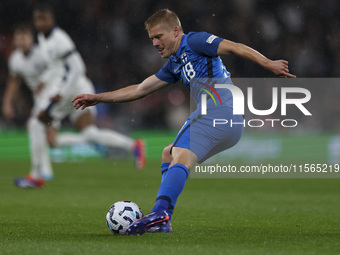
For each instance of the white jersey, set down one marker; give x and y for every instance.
(28, 67)
(57, 64)
(64, 64)
(65, 73)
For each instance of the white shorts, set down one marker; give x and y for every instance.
(60, 110)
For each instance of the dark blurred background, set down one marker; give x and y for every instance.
(111, 38)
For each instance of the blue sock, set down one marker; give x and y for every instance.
(171, 187)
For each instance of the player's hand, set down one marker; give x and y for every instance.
(280, 68)
(56, 98)
(8, 111)
(84, 100)
(44, 117)
(39, 88)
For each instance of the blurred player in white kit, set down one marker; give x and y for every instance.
(55, 72)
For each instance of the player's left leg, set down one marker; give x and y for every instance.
(175, 171)
(86, 124)
(41, 164)
(173, 180)
(37, 147)
(177, 159)
(165, 163)
(110, 138)
(84, 121)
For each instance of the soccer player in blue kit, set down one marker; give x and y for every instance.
(193, 55)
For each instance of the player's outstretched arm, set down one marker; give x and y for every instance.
(12, 86)
(127, 94)
(278, 67)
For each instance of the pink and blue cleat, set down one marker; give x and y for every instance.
(152, 221)
(29, 182)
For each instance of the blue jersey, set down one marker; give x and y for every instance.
(196, 57)
(197, 65)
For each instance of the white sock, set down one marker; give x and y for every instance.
(41, 164)
(46, 170)
(107, 138)
(67, 139)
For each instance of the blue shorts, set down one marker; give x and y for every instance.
(200, 136)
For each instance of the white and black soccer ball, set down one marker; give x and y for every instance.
(121, 214)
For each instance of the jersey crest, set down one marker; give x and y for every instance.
(184, 57)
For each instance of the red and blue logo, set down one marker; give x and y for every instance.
(210, 94)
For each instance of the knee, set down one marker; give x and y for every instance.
(32, 124)
(166, 156)
(90, 133)
(184, 157)
(51, 137)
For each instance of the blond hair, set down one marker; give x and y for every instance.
(164, 16)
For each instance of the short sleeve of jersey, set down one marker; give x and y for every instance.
(63, 43)
(165, 75)
(203, 43)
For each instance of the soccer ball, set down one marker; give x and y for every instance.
(121, 214)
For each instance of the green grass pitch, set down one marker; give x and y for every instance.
(213, 216)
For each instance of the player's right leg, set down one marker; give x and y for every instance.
(165, 163)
